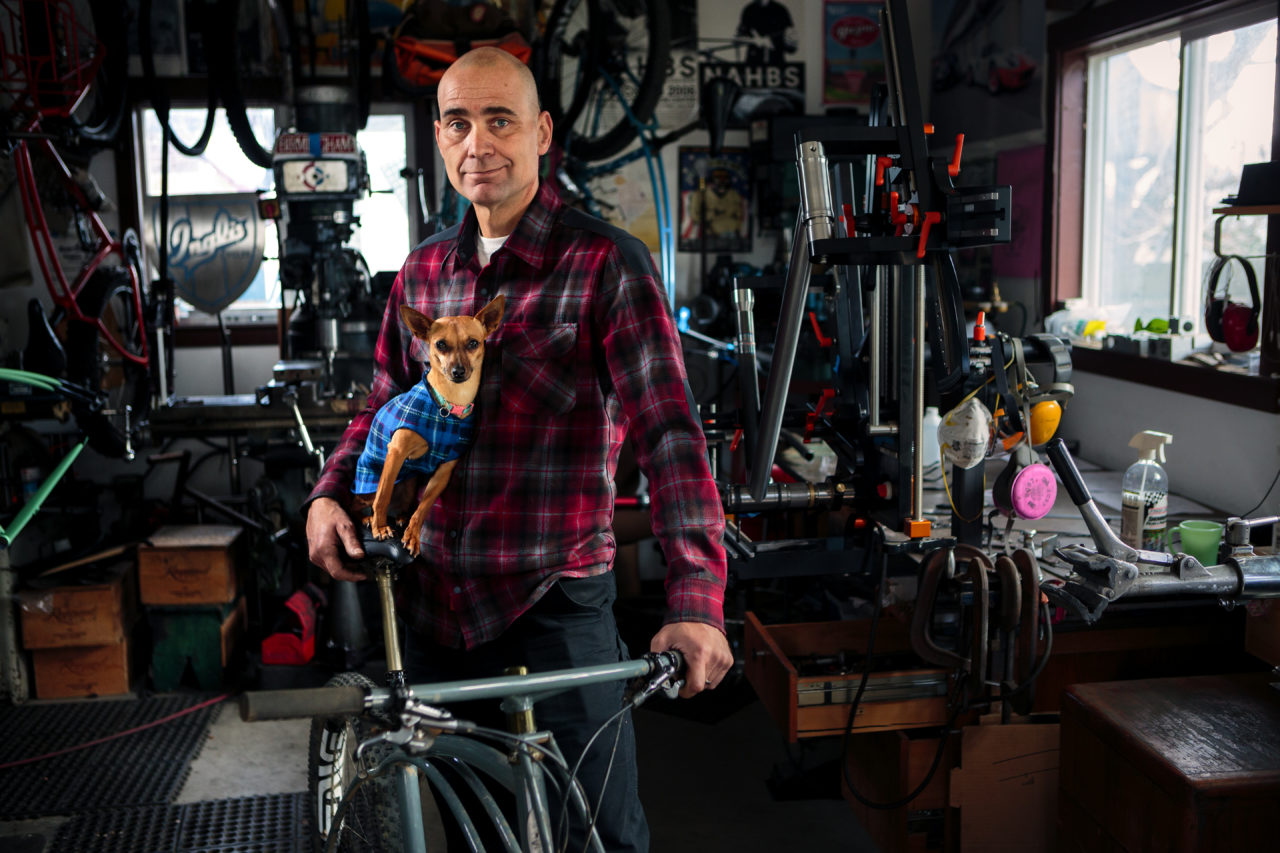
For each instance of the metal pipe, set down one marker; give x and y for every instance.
(778, 496)
(1220, 580)
(875, 343)
(390, 639)
(816, 222)
(917, 397)
(784, 356)
(748, 372)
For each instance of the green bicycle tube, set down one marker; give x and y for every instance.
(33, 506)
(409, 798)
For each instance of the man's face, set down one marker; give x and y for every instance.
(490, 134)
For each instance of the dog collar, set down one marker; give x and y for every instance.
(447, 408)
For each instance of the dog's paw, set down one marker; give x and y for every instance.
(412, 541)
(382, 531)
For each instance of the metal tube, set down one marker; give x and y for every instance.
(917, 398)
(390, 639)
(748, 371)
(409, 799)
(1221, 580)
(784, 356)
(875, 343)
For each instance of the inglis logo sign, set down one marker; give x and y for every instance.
(214, 247)
(188, 251)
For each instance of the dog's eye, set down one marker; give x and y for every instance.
(473, 344)
(443, 346)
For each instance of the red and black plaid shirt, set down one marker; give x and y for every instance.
(587, 355)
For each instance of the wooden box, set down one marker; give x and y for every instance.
(80, 671)
(1170, 764)
(886, 766)
(89, 615)
(190, 564)
(203, 636)
(816, 704)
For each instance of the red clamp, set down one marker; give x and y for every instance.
(823, 340)
(929, 219)
(825, 407)
(882, 163)
(737, 439)
(953, 168)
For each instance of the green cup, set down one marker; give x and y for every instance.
(1200, 539)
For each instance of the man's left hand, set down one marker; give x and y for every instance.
(706, 653)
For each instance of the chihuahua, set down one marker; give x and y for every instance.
(425, 430)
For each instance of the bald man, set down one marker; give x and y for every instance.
(518, 551)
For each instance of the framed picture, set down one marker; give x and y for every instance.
(715, 200)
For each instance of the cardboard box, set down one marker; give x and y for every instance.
(1006, 786)
(81, 671)
(90, 615)
(1262, 630)
(190, 564)
(812, 705)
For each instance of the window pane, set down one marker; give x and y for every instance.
(1133, 227)
(222, 169)
(383, 235)
(1233, 128)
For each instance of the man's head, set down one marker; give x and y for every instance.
(490, 133)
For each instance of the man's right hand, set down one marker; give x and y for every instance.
(332, 539)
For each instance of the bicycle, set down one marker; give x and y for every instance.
(374, 748)
(65, 87)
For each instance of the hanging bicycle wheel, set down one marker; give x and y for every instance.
(114, 427)
(603, 59)
(371, 822)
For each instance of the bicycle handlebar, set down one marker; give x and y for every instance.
(349, 700)
(302, 702)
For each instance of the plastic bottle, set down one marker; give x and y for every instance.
(1144, 494)
(930, 452)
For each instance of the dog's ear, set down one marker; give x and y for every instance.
(418, 323)
(490, 316)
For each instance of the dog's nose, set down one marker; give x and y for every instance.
(458, 374)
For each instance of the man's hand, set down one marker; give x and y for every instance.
(706, 653)
(332, 539)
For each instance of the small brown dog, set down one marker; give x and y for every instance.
(425, 430)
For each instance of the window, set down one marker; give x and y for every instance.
(1169, 124)
(384, 232)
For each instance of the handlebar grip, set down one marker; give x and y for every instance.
(1068, 473)
(304, 702)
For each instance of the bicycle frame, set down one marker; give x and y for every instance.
(65, 293)
(519, 767)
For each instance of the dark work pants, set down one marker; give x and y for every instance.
(572, 625)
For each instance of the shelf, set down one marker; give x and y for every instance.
(1248, 210)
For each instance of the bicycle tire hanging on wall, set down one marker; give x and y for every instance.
(589, 47)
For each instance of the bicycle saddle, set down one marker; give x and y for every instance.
(718, 95)
(383, 549)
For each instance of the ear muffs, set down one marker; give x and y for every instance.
(1227, 322)
(1026, 487)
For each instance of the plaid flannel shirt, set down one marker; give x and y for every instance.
(587, 355)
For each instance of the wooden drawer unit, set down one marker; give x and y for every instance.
(190, 564)
(1170, 764)
(80, 671)
(812, 705)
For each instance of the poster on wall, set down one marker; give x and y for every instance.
(852, 53)
(758, 47)
(988, 68)
(625, 197)
(715, 200)
(679, 102)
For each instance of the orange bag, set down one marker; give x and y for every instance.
(422, 62)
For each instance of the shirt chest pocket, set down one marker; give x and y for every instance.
(539, 368)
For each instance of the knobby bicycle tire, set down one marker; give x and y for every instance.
(159, 94)
(93, 363)
(372, 822)
(224, 75)
(102, 112)
(359, 50)
(586, 40)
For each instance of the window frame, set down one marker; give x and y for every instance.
(1070, 43)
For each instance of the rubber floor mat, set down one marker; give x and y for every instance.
(143, 768)
(276, 823)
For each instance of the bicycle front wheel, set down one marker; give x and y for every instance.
(603, 59)
(371, 822)
(102, 356)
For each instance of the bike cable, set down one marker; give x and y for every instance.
(159, 95)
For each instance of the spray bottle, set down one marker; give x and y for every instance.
(1144, 494)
